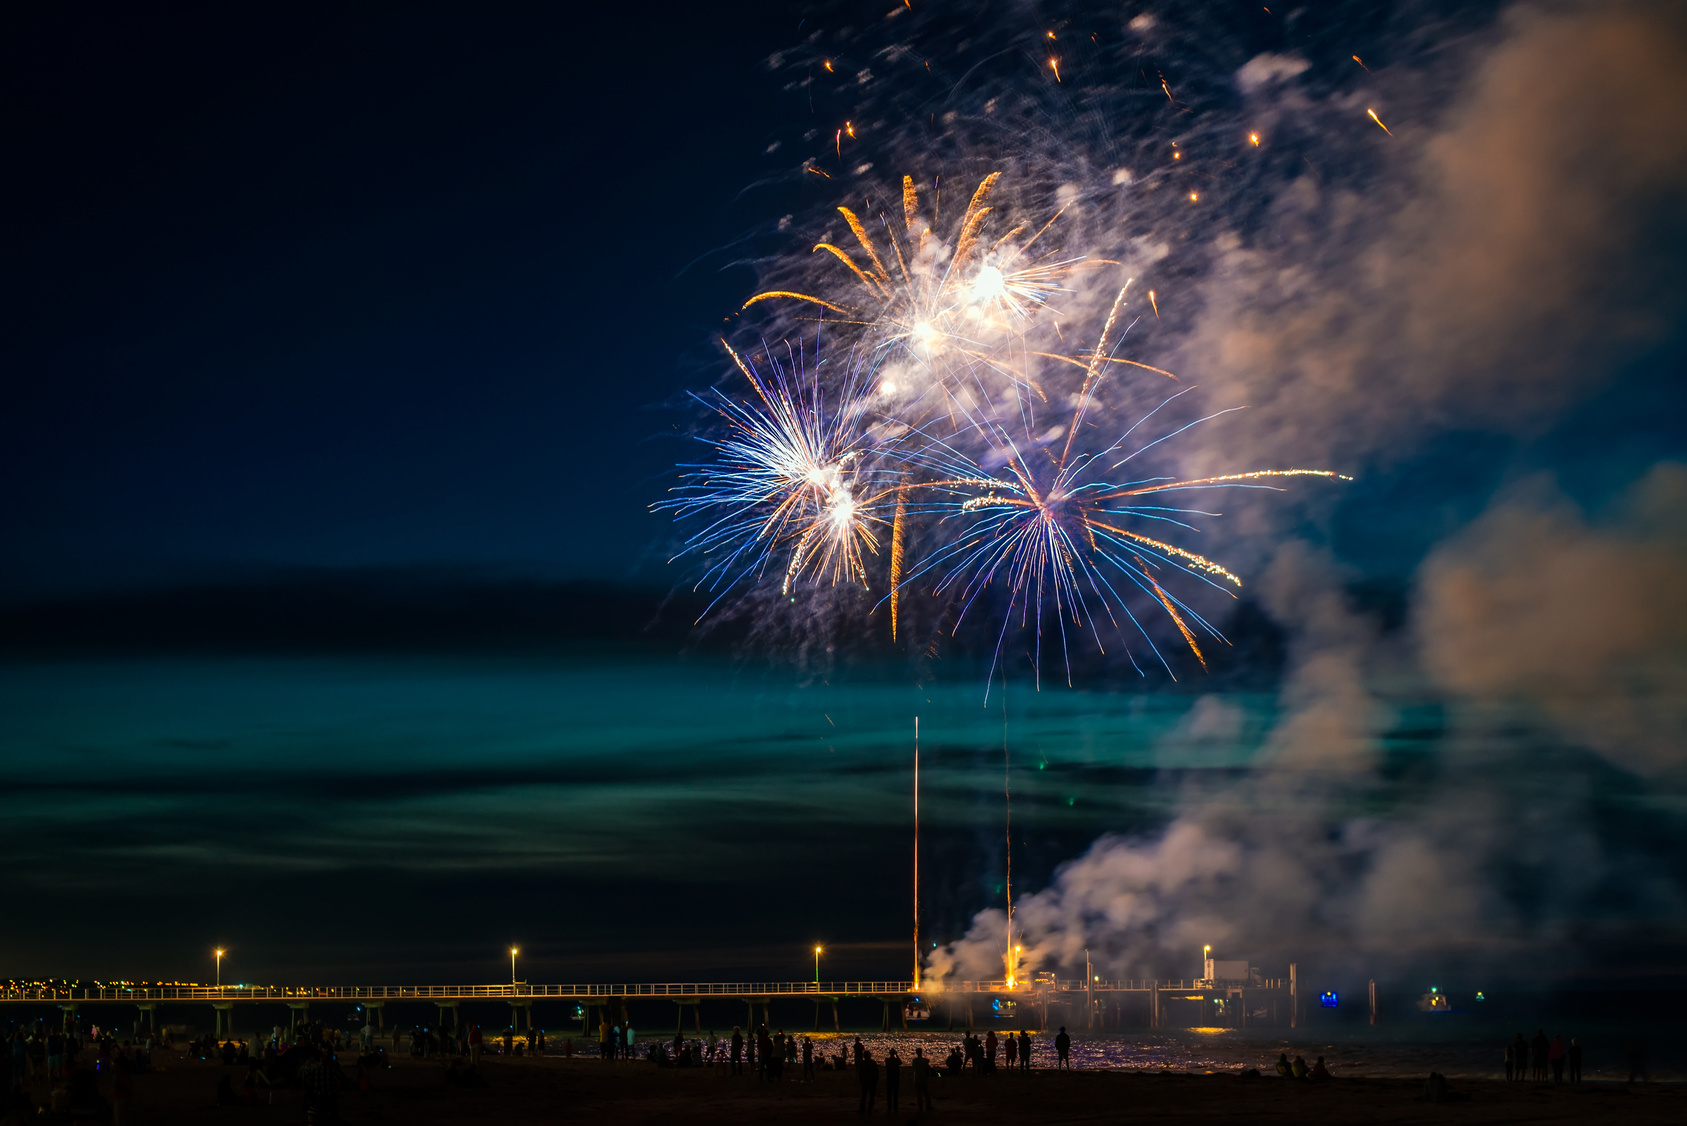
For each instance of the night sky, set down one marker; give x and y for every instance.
(345, 353)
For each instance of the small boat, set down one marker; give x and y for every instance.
(1434, 1001)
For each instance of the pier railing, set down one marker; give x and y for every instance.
(523, 991)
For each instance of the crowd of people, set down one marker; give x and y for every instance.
(61, 1069)
(1531, 1059)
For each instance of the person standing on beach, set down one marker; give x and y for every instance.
(990, 1052)
(629, 1054)
(1575, 1060)
(922, 1080)
(1520, 1057)
(893, 1080)
(1012, 1051)
(1555, 1054)
(1537, 1056)
(867, 1073)
(1062, 1049)
(1024, 1051)
(807, 1059)
(737, 1050)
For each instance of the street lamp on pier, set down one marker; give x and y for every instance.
(817, 966)
(513, 952)
(219, 968)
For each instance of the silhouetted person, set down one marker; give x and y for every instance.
(1555, 1054)
(1283, 1067)
(893, 1080)
(1298, 1068)
(922, 1081)
(1635, 1053)
(807, 1059)
(1024, 1051)
(867, 1073)
(1520, 1056)
(858, 1049)
(1012, 1051)
(737, 1050)
(1063, 1049)
(1575, 1056)
(1537, 1056)
(1319, 1071)
(990, 1052)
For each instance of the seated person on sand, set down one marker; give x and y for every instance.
(1319, 1071)
(1283, 1067)
(1299, 1067)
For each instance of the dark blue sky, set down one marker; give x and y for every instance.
(338, 288)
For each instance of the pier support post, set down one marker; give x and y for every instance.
(1294, 995)
(1154, 1004)
(149, 1011)
(1373, 1000)
(295, 1011)
(969, 1014)
(837, 1024)
(377, 1008)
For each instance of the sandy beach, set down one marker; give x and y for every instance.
(413, 1092)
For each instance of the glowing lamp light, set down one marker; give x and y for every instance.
(1329, 999)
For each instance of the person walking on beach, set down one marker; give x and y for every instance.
(1555, 1054)
(737, 1050)
(867, 1073)
(1520, 1057)
(922, 1080)
(1575, 1056)
(893, 1080)
(1537, 1054)
(1063, 1049)
(1024, 1051)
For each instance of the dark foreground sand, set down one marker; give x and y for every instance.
(552, 1091)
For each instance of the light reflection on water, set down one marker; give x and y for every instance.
(1375, 1055)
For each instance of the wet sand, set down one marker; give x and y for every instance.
(518, 1091)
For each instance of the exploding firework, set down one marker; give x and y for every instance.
(951, 305)
(793, 478)
(1053, 530)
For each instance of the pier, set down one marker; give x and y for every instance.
(1041, 1003)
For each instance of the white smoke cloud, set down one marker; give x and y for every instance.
(1583, 622)
(1460, 287)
